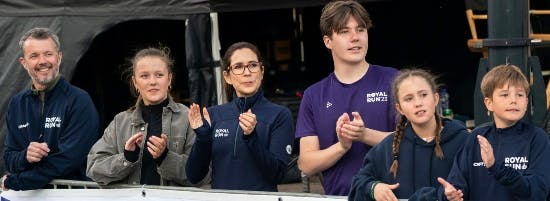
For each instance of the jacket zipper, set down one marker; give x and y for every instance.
(237, 130)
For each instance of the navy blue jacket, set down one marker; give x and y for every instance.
(521, 170)
(69, 125)
(418, 165)
(255, 162)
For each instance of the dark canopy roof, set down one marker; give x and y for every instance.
(78, 22)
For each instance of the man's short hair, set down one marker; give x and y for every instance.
(336, 14)
(40, 33)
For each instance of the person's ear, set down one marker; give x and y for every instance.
(436, 96)
(169, 79)
(328, 41)
(60, 56)
(23, 62)
(398, 108)
(227, 77)
(488, 103)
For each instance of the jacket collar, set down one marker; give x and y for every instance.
(245, 103)
(137, 119)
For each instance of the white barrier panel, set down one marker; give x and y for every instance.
(133, 194)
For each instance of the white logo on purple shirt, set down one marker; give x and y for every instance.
(329, 104)
(380, 96)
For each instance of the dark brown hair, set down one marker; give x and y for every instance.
(336, 14)
(400, 128)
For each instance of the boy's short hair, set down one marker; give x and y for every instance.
(336, 14)
(501, 75)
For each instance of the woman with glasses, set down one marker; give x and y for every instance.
(247, 140)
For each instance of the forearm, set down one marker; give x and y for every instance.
(372, 137)
(273, 167)
(522, 187)
(198, 162)
(107, 169)
(314, 161)
(16, 161)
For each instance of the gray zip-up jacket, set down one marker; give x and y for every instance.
(106, 162)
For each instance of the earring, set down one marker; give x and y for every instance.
(488, 113)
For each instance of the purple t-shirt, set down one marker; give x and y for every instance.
(326, 100)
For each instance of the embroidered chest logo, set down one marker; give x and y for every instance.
(328, 104)
(380, 96)
(516, 162)
(221, 132)
(52, 122)
(25, 125)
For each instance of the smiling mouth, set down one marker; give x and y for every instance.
(43, 68)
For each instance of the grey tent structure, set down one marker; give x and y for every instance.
(78, 22)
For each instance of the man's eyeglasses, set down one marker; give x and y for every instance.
(252, 66)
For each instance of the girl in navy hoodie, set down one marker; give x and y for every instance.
(406, 164)
(507, 159)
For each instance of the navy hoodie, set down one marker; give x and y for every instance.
(521, 170)
(418, 165)
(239, 162)
(67, 121)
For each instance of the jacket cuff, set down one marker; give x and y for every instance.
(248, 137)
(132, 156)
(203, 133)
(162, 157)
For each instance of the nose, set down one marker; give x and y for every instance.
(42, 59)
(417, 102)
(354, 35)
(247, 71)
(153, 81)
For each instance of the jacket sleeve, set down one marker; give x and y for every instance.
(15, 153)
(105, 163)
(533, 184)
(198, 164)
(74, 142)
(173, 167)
(362, 182)
(460, 169)
(273, 158)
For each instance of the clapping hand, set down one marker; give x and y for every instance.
(451, 192)
(133, 142)
(486, 151)
(247, 121)
(157, 145)
(194, 116)
(384, 191)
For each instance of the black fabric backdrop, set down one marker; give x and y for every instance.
(78, 22)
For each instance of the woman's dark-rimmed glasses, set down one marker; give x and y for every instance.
(253, 67)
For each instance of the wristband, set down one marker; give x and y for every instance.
(372, 189)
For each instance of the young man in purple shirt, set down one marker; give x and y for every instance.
(342, 116)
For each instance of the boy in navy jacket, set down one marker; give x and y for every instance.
(508, 159)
